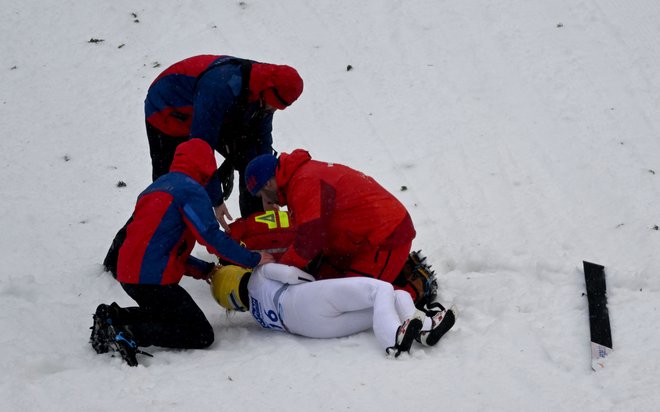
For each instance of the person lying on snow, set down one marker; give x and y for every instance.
(285, 298)
(274, 231)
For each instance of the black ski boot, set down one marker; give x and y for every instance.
(103, 318)
(406, 334)
(442, 320)
(109, 334)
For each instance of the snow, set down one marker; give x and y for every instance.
(525, 131)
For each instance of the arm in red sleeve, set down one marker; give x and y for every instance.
(312, 208)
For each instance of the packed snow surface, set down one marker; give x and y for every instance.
(522, 136)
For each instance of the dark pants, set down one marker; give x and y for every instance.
(166, 316)
(161, 149)
(248, 204)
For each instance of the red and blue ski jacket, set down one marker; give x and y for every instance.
(202, 95)
(217, 99)
(171, 215)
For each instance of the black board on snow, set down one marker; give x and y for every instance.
(599, 318)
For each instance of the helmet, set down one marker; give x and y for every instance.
(229, 287)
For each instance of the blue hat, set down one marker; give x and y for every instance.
(259, 171)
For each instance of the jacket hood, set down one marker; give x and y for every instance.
(287, 167)
(278, 85)
(196, 159)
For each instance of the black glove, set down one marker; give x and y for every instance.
(226, 176)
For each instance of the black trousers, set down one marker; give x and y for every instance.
(166, 316)
(247, 203)
(161, 150)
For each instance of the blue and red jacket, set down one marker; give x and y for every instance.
(171, 215)
(214, 98)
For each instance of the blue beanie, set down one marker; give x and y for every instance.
(259, 171)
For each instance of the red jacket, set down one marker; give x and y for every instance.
(338, 211)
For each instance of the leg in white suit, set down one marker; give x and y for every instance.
(341, 307)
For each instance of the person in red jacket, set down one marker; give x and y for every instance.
(227, 101)
(346, 223)
(170, 217)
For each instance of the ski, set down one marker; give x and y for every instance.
(599, 318)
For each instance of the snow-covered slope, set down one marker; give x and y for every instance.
(526, 135)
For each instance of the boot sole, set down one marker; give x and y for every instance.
(433, 336)
(98, 338)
